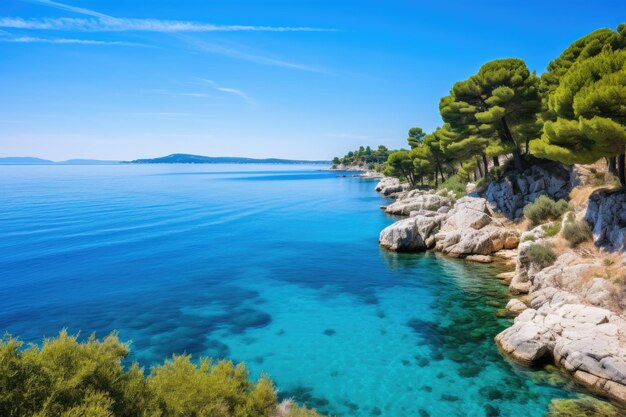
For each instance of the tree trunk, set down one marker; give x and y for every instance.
(436, 178)
(486, 163)
(508, 138)
(612, 162)
(438, 168)
(496, 161)
(480, 168)
(621, 169)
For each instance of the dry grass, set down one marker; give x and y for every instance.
(610, 268)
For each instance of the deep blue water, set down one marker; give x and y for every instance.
(276, 266)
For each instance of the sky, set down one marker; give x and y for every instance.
(301, 79)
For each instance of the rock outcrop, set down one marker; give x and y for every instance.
(417, 200)
(413, 234)
(390, 187)
(606, 213)
(509, 195)
(471, 229)
(571, 320)
(460, 230)
(589, 342)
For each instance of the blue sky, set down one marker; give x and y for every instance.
(123, 79)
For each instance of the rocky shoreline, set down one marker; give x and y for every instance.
(568, 313)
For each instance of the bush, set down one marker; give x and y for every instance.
(552, 229)
(544, 209)
(541, 254)
(577, 232)
(529, 238)
(76, 379)
(455, 184)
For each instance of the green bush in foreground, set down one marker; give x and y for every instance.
(577, 232)
(544, 209)
(582, 407)
(541, 254)
(70, 379)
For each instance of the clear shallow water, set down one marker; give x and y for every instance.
(276, 266)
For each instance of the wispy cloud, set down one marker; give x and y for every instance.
(113, 24)
(228, 90)
(239, 53)
(30, 39)
(100, 22)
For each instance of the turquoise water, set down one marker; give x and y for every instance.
(276, 266)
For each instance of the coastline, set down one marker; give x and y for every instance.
(571, 326)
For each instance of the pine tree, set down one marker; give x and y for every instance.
(590, 112)
(499, 103)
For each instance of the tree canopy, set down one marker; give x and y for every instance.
(500, 104)
(589, 110)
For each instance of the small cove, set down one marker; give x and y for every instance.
(276, 266)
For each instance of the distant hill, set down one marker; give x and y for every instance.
(177, 158)
(28, 160)
(181, 158)
(24, 160)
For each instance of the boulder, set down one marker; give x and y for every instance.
(515, 307)
(483, 259)
(389, 186)
(412, 234)
(418, 200)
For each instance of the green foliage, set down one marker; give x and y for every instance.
(582, 407)
(576, 232)
(455, 184)
(541, 254)
(544, 209)
(303, 412)
(363, 156)
(416, 135)
(584, 95)
(552, 229)
(68, 378)
(498, 106)
(529, 238)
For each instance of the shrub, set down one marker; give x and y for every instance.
(455, 184)
(577, 232)
(529, 238)
(541, 254)
(544, 209)
(552, 229)
(69, 378)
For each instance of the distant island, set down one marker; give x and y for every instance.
(176, 158)
(181, 158)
